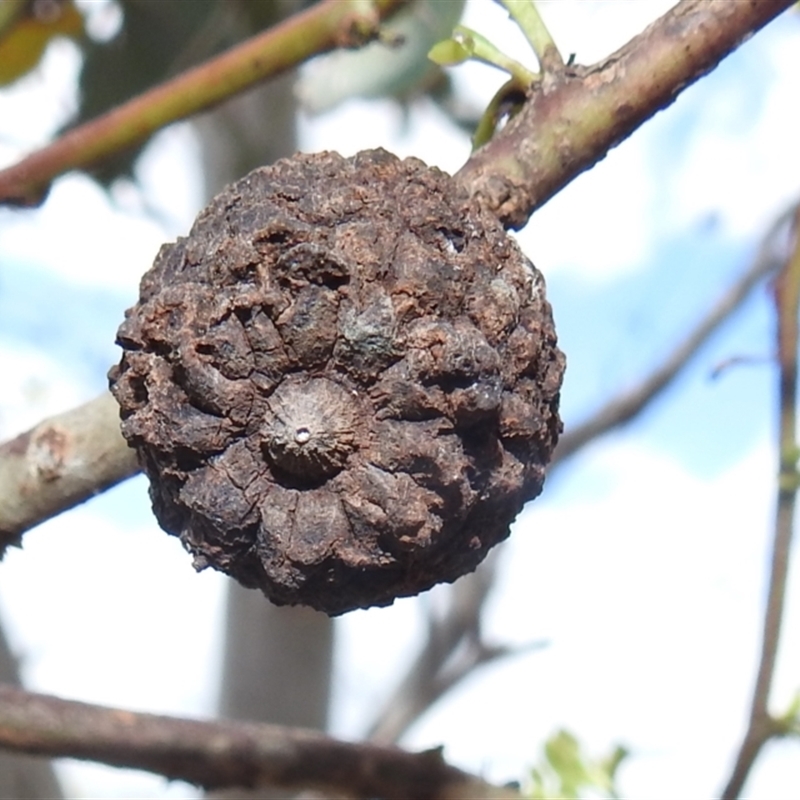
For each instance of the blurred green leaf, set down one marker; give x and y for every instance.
(565, 772)
(26, 28)
(789, 721)
(449, 52)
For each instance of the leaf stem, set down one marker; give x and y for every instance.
(506, 103)
(481, 49)
(526, 15)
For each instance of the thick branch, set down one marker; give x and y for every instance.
(329, 24)
(218, 754)
(762, 726)
(23, 777)
(628, 404)
(575, 116)
(61, 462)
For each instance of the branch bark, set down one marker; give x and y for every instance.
(63, 461)
(217, 754)
(23, 777)
(576, 115)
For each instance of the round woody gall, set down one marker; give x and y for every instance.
(343, 384)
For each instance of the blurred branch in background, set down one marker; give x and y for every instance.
(625, 406)
(330, 24)
(454, 648)
(217, 754)
(762, 725)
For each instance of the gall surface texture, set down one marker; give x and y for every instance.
(343, 384)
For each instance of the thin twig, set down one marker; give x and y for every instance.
(625, 406)
(454, 648)
(576, 116)
(459, 623)
(762, 726)
(219, 754)
(740, 360)
(323, 27)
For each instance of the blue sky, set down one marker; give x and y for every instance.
(642, 562)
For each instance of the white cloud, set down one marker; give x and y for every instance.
(133, 624)
(80, 237)
(745, 175)
(594, 30)
(356, 125)
(34, 386)
(601, 225)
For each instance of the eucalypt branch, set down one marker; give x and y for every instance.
(466, 44)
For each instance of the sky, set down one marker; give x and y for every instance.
(642, 564)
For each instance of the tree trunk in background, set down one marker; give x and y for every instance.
(277, 669)
(277, 661)
(23, 777)
(250, 130)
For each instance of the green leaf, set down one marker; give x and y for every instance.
(449, 52)
(789, 721)
(565, 772)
